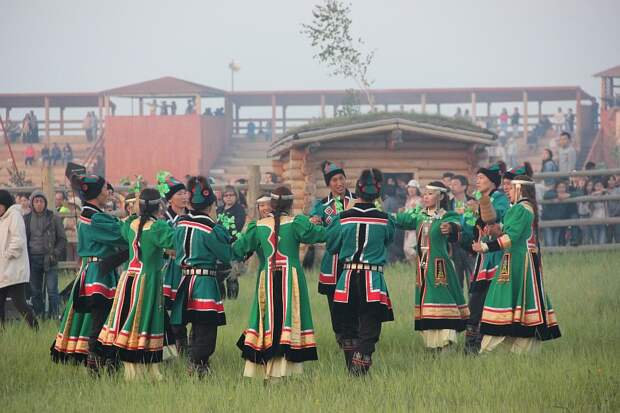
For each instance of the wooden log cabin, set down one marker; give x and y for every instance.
(399, 144)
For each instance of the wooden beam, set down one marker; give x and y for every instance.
(323, 106)
(488, 109)
(62, 121)
(237, 110)
(253, 189)
(198, 105)
(46, 102)
(283, 119)
(423, 102)
(273, 116)
(100, 104)
(578, 120)
(106, 106)
(7, 113)
(473, 106)
(525, 116)
(141, 106)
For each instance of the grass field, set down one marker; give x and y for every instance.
(578, 372)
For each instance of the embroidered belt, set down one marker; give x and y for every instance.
(94, 259)
(362, 266)
(200, 271)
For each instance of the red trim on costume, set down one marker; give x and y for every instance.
(98, 288)
(330, 279)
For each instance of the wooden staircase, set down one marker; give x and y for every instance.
(81, 147)
(241, 152)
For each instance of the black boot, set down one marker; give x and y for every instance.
(232, 288)
(93, 364)
(472, 340)
(181, 344)
(348, 347)
(360, 364)
(200, 369)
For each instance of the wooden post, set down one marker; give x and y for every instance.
(423, 102)
(106, 106)
(141, 106)
(578, 120)
(229, 117)
(273, 116)
(488, 122)
(62, 121)
(335, 107)
(386, 107)
(198, 104)
(237, 110)
(100, 104)
(283, 119)
(7, 113)
(526, 125)
(253, 189)
(402, 107)
(539, 110)
(47, 184)
(323, 106)
(46, 101)
(473, 106)
(439, 109)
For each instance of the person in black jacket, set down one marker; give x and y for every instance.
(554, 236)
(232, 217)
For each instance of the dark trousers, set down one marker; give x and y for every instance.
(17, 293)
(204, 338)
(360, 320)
(463, 263)
(98, 315)
(476, 302)
(179, 332)
(337, 323)
(38, 275)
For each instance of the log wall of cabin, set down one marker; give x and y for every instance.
(427, 159)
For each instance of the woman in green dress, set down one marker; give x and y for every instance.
(280, 333)
(135, 327)
(440, 309)
(517, 312)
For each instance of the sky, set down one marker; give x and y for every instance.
(84, 45)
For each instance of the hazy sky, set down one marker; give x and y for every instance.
(71, 45)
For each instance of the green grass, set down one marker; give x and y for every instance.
(578, 372)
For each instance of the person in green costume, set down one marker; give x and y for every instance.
(280, 335)
(202, 246)
(517, 312)
(134, 330)
(440, 308)
(324, 211)
(360, 237)
(488, 181)
(99, 238)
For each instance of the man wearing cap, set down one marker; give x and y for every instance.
(99, 239)
(323, 213)
(488, 180)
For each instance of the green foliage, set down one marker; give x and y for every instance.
(352, 119)
(330, 34)
(578, 372)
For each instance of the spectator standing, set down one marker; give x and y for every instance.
(585, 212)
(548, 165)
(173, 108)
(614, 206)
(514, 120)
(23, 199)
(47, 245)
(412, 204)
(512, 152)
(163, 111)
(34, 127)
(251, 130)
(559, 120)
(570, 121)
(60, 199)
(567, 156)
(56, 154)
(26, 136)
(189, 110)
(29, 154)
(458, 114)
(67, 153)
(463, 261)
(503, 120)
(87, 125)
(14, 269)
(556, 211)
(599, 211)
(232, 216)
(152, 107)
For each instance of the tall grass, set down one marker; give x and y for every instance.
(578, 372)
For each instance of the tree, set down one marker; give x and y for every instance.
(330, 34)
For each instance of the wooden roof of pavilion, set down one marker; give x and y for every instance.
(167, 86)
(432, 126)
(611, 72)
(37, 100)
(411, 96)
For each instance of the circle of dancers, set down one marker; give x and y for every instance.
(143, 279)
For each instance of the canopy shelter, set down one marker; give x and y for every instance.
(610, 87)
(47, 101)
(164, 87)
